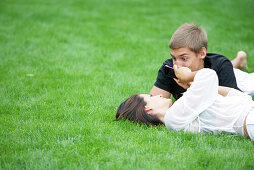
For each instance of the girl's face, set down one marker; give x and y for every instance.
(158, 104)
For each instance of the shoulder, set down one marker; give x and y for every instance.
(215, 58)
(168, 62)
(223, 67)
(165, 81)
(215, 61)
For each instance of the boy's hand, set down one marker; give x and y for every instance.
(184, 74)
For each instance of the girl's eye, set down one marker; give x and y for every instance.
(174, 59)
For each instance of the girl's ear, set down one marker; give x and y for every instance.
(148, 108)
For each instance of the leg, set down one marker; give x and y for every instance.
(250, 125)
(240, 61)
(245, 81)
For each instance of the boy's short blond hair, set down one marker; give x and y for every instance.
(189, 35)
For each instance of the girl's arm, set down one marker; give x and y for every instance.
(202, 94)
(222, 90)
(185, 75)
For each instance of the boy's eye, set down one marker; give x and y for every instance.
(174, 59)
(184, 58)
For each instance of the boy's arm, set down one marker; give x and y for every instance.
(157, 91)
(164, 84)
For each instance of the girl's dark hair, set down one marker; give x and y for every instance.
(133, 110)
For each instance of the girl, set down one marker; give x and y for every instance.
(204, 107)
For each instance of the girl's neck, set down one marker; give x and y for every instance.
(161, 117)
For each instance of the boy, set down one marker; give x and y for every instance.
(189, 49)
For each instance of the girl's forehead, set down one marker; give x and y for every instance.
(145, 96)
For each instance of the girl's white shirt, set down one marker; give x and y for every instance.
(245, 81)
(202, 109)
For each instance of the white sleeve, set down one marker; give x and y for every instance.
(195, 100)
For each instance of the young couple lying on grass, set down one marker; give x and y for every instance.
(212, 103)
(204, 107)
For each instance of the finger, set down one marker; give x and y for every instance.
(183, 85)
(175, 67)
(176, 80)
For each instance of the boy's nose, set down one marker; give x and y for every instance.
(179, 65)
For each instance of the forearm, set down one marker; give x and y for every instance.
(222, 90)
(157, 91)
(191, 76)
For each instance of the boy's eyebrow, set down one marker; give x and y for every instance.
(179, 55)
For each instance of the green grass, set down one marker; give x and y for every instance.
(85, 58)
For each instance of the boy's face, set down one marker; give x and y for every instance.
(184, 57)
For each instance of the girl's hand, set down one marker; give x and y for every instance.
(183, 85)
(184, 74)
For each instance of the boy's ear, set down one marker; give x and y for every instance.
(202, 53)
(148, 108)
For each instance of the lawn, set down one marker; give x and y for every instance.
(66, 65)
